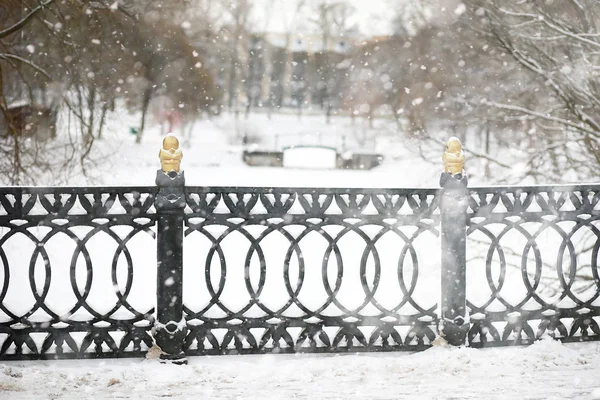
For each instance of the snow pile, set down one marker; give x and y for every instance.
(544, 370)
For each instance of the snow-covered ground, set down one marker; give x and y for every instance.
(545, 370)
(212, 153)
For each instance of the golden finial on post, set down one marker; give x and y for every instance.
(170, 155)
(454, 159)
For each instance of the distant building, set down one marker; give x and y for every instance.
(297, 69)
(273, 70)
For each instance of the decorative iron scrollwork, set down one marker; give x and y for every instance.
(544, 240)
(55, 232)
(296, 216)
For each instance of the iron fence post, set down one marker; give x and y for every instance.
(170, 328)
(454, 321)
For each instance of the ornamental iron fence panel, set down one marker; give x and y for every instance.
(68, 272)
(316, 270)
(109, 272)
(544, 240)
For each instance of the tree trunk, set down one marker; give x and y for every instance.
(232, 75)
(105, 108)
(145, 104)
(487, 149)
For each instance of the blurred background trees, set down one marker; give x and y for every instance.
(500, 75)
(554, 45)
(74, 61)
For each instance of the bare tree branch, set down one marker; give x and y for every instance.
(20, 24)
(7, 56)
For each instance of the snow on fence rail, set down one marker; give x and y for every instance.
(290, 269)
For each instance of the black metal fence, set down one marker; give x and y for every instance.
(255, 270)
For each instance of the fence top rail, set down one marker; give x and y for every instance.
(76, 189)
(538, 188)
(325, 190)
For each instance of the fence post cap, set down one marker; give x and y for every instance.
(453, 158)
(170, 155)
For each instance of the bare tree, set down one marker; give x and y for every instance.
(237, 27)
(557, 43)
(284, 82)
(334, 25)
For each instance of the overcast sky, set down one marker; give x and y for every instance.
(372, 16)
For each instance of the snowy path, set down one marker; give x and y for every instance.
(545, 370)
